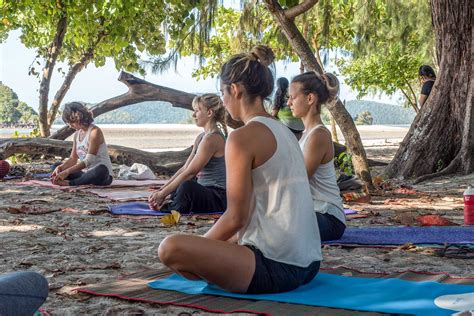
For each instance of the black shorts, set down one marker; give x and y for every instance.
(273, 277)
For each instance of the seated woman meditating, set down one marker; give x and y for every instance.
(269, 208)
(206, 162)
(308, 92)
(89, 162)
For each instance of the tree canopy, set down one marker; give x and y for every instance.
(79, 32)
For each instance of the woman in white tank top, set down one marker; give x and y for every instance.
(89, 162)
(308, 91)
(259, 245)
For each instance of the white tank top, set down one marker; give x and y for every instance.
(82, 148)
(282, 224)
(323, 184)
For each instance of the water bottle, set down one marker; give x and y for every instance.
(469, 206)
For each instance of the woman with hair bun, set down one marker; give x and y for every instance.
(427, 79)
(206, 162)
(89, 162)
(308, 92)
(259, 245)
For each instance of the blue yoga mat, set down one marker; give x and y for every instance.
(402, 235)
(329, 290)
(141, 208)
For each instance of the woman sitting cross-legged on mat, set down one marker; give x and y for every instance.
(260, 244)
(89, 162)
(206, 162)
(308, 92)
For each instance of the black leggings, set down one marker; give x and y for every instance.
(98, 176)
(191, 197)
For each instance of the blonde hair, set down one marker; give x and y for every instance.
(213, 102)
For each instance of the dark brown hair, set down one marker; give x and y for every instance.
(77, 112)
(427, 71)
(325, 87)
(251, 71)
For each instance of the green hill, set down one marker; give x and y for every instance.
(149, 112)
(152, 112)
(382, 113)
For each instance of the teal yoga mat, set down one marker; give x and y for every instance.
(363, 294)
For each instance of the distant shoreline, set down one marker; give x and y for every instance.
(160, 137)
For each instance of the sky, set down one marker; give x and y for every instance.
(94, 85)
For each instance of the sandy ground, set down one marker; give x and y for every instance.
(78, 243)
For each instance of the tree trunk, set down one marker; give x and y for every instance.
(58, 98)
(441, 139)
(333, 130)
(53, 53)
(140, 90)
(162, 162)
(337, 109)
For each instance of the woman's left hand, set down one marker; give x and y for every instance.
(156, 200)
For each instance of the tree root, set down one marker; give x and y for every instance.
(452, 168)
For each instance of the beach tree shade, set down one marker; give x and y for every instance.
(81, 32)
(441, 139)
(390, 41)
(258, 24)
(285, 20)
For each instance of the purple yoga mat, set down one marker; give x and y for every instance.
(141, 208)
(348, 211)
(402, 235)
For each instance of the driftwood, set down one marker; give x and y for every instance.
(140, 90)
(162, 162)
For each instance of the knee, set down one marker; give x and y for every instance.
(35, 282)
(41, 284)
(170, 250)
(102, 171)
(185, 188)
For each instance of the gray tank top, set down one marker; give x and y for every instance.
(213, 173)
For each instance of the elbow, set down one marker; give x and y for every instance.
(190, 173)
(237, 222)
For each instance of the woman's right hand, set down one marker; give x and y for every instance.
(56, 171)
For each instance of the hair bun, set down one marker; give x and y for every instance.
(332, 84)
(263, 54)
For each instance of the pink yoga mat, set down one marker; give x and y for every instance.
(120, 195)
(115, 184)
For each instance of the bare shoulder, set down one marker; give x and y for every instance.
(212, 141)
(320, 139)
(96, 133)
(250, 136)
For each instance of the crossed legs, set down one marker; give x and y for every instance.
(227, 265)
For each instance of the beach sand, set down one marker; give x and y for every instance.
(79, 243)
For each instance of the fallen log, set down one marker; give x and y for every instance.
(140, 90)
(165, 163)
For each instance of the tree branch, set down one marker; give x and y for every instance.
(299, 9)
